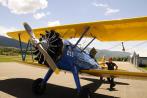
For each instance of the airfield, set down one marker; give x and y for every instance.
(16, 80)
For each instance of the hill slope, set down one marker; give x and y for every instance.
(108, 54)
(7, 42)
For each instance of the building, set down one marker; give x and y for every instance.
(137, 60)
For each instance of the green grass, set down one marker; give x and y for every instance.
(4, 58)
(144, 68)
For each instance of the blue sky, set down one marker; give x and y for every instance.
(40, 13)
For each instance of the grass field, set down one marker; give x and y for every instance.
(4, 58)
(144, 68)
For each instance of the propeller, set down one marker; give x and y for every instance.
(36, 43)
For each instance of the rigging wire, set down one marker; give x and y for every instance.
(141, 43)
(114, 46)
(127, 49)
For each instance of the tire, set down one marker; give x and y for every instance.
(37, 88)
(85, 93)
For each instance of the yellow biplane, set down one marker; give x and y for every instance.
(53, 49)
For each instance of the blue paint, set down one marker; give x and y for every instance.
(74, 60)
(47, 76)
(73, 56)
(76, 78)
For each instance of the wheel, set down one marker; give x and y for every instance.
(37, 87)
(85, 93)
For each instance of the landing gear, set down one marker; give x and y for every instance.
(85, 93)
(82, 92)
(38, 87)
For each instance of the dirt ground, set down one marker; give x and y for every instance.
(16, 80)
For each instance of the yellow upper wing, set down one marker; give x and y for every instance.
(113, 30)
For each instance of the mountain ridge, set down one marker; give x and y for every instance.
(8, 42)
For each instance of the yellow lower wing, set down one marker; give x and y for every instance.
(105, 73)
(116, 73)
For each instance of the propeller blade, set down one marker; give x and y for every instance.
(29, 30)
(41, 49)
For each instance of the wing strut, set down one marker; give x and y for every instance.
(88, 44)
(20, 44)
(24, 52)
(85, 31)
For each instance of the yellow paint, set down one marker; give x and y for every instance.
(102, 62)
(57, 71)
(112, 30)
(116, 73)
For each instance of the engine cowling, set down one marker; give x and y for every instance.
(52, 43)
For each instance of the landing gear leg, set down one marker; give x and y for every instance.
(82, 92)
(39, 85)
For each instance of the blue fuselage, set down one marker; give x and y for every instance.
(73, 56)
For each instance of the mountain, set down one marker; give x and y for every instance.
(108, 53)
(8, 42)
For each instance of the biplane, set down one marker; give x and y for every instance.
(53, 49)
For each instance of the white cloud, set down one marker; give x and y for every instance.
(54, 23)
(99, 4)
(24, 6)
(110, 11)
(4, 30)
(107, 8)
(3, 2)
(40, 15)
